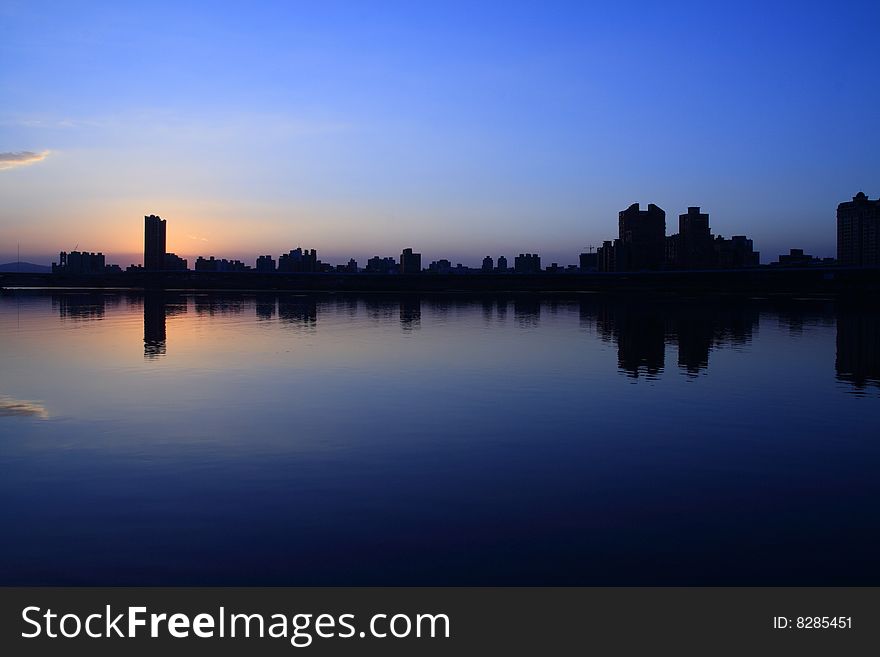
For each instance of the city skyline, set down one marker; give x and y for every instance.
(472, 261)
(356, 130)
(642, 244)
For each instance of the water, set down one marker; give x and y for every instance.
(268, 439)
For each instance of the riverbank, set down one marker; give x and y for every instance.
(812, 280)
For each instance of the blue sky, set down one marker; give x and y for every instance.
(462, 129)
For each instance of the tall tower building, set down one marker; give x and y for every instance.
(154, 243)
(858, 232)
(695, 245)
(410, 263)
(642, 238)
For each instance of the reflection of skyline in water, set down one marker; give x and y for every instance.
(620, 440)
(640, 329)
(858, 347)
(155, 311)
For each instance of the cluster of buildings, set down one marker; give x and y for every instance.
(641, 245)
(79, 262)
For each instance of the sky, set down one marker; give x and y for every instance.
(458, 128)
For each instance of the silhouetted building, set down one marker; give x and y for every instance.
(642, 235)
(692, 247)
(588, 261)
(265, 263)
(858, 232)
(641, 242)
(410, 263)
(154, 243)
(736, 252)
(79, 262)
(206, 264)
(502, 264)
(442, 266)
(377, 265)
(174, 263)
(797, 258)
(220, 265)
(527, 263)
(488, 264)
(351, 267)
(606, 256)
(299, 261)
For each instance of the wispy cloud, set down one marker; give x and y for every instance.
(56, 123)
(10, 407)
(21, 158)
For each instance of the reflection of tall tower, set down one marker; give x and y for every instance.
(265, 307)
(695, 334)
(527, 311)
(858, 347)
(154, 325)
(297, 311)
(641, 346)
(640, 334)
(154, 243)
(410, 313)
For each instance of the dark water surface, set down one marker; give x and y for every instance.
(284, 439)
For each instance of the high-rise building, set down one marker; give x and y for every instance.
(642, 235)
(606, 255)
(79, 262)
(174, 262)
(442, 266)
(299, 261)
(488, 264)
(410, 263)
(265, 263)
(735, 253)
(694, 249)
(154, 243)
(527, 263)
(588, 261)
(502, 264)
(858, 232)
(377, 265)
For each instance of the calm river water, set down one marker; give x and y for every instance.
(286, 439)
